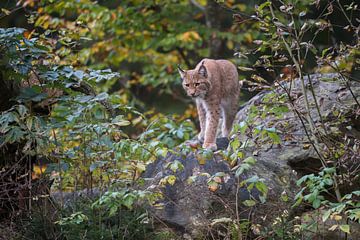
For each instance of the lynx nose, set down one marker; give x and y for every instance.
(193, 94)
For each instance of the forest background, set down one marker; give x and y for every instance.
(90, 95)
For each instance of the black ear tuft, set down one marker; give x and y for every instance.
(202, 70)
(181, 72)
(179, 69)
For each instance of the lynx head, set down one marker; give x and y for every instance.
(195, 82)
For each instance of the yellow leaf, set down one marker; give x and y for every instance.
(5, 11)
(201, 159)
(213, 186)
(333, 227)
(171, 179)
(38, 171)
(230, 44)
(189, 36)
(191, 179)
(306, 146)
(202, 2)
(248, 37)
(336, 217)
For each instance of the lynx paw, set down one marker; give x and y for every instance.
(210, 146)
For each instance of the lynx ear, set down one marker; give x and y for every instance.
(181, 72)
(202, 70)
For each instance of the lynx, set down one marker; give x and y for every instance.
(215, 87)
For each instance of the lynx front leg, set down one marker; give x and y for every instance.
(212, 121)
(202, 119)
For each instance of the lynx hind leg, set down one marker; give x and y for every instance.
(229, 110)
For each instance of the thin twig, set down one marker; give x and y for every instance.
(316, 104)
(299, 69)
(346, 81)
(11, 12)
(322, 160)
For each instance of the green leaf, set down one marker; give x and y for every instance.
(262, 198)
(249, 203)
(191, 179)
(120, 121)
(357, 193)
(253, 179)
(249, 160)
(180, 133)
(329, 170)
(284, 196)
(304, 179)
(326, 215)
(328, 181)
(128, 200)
(316, 203)
(31, 94)
(15, 134)
(220, 174)
(113, 209)
(345, 228)
(208, 154)
(22, 110)
(262, 187)
(29, 123)
(235, 144)
(325, 51)
(161, 152)
(102, 96)
(176, 165)
(275, 137)
(242, 168)
(264, 5)
(298, 201)
(79, 74)
(243, 126)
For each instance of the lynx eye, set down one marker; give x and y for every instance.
(197, 84)
(187, 85)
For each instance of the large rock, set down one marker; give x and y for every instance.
(190, 205)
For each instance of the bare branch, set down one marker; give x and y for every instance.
(198, 5)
